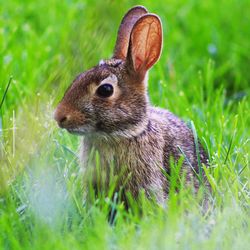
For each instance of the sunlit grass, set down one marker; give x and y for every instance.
(202, 77)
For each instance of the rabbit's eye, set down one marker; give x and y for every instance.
(105, 90)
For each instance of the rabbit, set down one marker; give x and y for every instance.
(109, 106)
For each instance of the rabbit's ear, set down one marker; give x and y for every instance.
(145, 44)
(128, 21)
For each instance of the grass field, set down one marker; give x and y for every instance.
(203, 76)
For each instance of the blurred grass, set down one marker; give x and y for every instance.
(203, 76)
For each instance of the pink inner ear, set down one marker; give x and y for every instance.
(138, 63)
(146, 41)
(139, 48)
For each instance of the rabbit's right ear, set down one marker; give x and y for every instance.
(128, 21)
(145, 44)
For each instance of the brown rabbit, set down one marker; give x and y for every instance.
(109, 105)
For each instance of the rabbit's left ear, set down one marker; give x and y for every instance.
(128, 21)
(145, 44)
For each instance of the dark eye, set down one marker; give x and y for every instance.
(105, 90)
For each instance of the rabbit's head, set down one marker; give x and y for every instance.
(111, 97)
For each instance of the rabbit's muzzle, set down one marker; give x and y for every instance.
(68, 118)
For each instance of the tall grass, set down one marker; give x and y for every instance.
(203, 77)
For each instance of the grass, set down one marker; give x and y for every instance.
(203, 77)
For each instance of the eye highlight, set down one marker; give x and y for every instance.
(105, 90)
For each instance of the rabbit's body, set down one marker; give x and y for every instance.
(109, 105)
(141, 160)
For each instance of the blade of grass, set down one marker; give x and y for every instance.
(197, 150)
(5, 92)
(189, 163)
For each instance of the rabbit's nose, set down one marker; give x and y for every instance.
(62, 121)
(61, 118)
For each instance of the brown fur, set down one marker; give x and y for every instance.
(126, 131)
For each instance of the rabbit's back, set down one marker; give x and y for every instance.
(179, 141)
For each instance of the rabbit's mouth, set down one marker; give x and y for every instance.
(81, 130)
(78, 131)
(75, 132)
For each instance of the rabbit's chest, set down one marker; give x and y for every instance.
(142, 158)
(133, 155)
(138, 163)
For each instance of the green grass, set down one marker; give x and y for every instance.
(203, 76)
